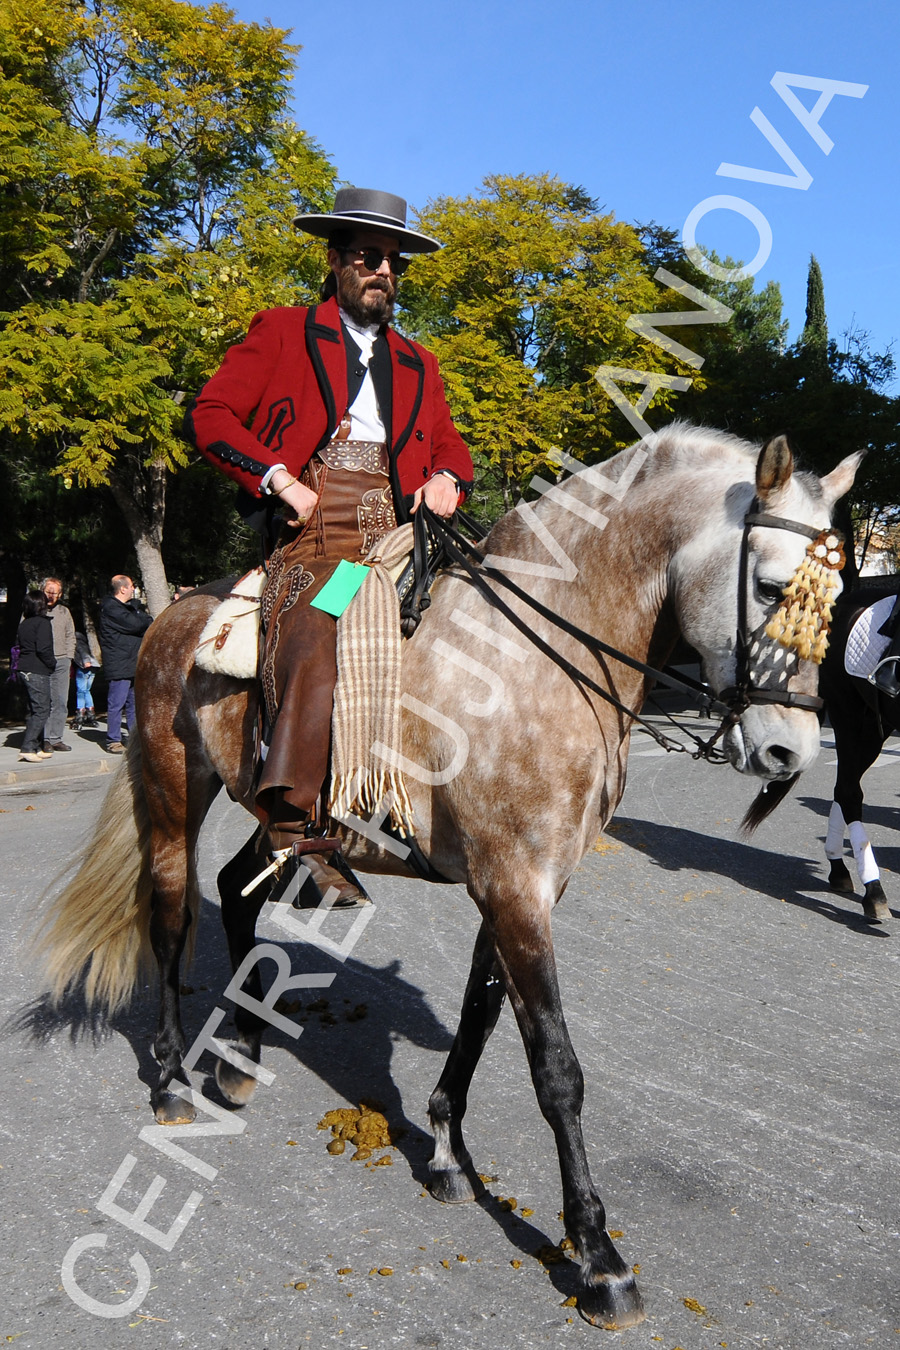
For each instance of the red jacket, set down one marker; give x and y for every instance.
(290, 376)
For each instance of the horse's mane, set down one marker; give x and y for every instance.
(685, 445)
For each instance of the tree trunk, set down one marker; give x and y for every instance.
(140, 493)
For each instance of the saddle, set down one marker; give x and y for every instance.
(229, 642)
(386, 611)
(866, 644)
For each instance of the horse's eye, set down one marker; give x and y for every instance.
(770, 592)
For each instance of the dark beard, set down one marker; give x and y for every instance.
(369, 300)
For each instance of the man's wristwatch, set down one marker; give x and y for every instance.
(449, 474)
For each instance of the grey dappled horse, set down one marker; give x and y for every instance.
(512, 768)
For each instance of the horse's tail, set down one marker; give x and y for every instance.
(765, 802)
(102, 916)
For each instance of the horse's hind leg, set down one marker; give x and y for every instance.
(608, 1295)
(170, 921)
(176, 821)
(239, 916)
(857, 751)
(453, 1176)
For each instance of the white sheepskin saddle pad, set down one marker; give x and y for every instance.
(865, 645)
(229, 643)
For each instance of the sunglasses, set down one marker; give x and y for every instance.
(373, 258)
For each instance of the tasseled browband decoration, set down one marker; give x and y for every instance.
(803, 619)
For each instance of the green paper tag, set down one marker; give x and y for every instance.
(340, 588)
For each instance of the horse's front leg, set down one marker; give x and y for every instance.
(239, 916)
(608, 1295)
(453, 1176)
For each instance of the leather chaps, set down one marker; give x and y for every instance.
(299, 669)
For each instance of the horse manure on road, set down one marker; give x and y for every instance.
(366, 1128)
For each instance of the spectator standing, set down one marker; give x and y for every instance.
(37, 662)
(64, 648)
(122, 626)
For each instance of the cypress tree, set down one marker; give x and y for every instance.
(815, 332)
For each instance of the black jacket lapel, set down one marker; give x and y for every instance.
(329, 362)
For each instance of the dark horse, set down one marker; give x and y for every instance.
(511, 765)
(862, 719)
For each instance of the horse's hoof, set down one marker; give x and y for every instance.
(171, 1110)
(875, 905)
(456, 1185)
(612, 1302)
(235, 1086)
(839, 878)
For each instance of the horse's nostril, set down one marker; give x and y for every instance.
(780, 754)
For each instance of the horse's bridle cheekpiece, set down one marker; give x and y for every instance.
(803, 619)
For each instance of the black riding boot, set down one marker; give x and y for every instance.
(887, 675)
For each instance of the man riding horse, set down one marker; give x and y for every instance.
(351, 431)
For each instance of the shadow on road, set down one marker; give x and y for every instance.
(347, 1041)
(887, 816)
(797, 881)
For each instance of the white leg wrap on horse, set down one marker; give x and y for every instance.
(834, 838)
(866, 865)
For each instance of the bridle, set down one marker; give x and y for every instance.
(732, 703)
(743, 692)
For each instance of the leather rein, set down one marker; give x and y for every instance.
(733, 702)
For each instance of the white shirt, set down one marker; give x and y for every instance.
(365, 417)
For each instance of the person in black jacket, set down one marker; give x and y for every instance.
(122, 626)
(37, 662)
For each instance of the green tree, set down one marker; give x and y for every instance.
(529, 296)
(148, 176)
(815, 330)
(832, 398)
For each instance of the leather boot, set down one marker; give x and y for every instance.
(321, 879)
(328, 878)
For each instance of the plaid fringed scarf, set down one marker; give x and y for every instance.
(367, 694)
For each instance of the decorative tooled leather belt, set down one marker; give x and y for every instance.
(356, 456)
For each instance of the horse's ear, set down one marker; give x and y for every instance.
(840, 480)
(774, 466)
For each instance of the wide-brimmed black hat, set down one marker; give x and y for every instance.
(369, 207)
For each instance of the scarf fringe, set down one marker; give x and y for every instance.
(367, 694)
(366, 790)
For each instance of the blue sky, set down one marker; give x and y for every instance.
(637, 103)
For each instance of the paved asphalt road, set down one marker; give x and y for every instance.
(736, 1025)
